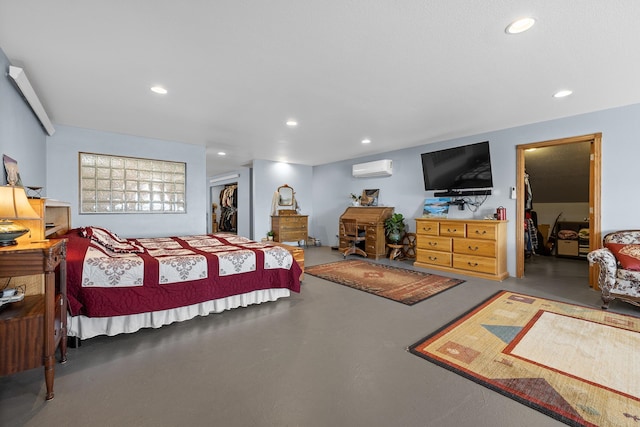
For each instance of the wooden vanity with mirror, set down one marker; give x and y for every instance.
(287, 225)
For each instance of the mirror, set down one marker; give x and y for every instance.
(285, 195)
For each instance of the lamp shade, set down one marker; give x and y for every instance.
(14, 204)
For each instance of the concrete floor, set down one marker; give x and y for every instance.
(329, 356)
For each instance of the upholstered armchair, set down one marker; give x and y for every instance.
(619, 262)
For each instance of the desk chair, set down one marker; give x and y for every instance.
(351, 233)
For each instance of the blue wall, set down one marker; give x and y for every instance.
(267, 177)
(620, 128)
(21, 136)
(62, 180)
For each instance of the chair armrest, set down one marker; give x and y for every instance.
(608, 267)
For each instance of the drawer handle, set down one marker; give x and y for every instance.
(481, 232)
(473, 249)
(426, 229)
(452, 231)
(433, 244)
(472, 264)
(433, 258)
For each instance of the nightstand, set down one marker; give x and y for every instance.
(31, 330)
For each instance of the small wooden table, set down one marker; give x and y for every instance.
(31, 330)
(396, 251)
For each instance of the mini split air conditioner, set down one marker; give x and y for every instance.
(377, 168)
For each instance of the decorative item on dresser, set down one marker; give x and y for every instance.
(472, 247)
(31, 330)
(372, 220)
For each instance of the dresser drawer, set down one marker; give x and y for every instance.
(371, 248)
(293, 221)
(481, 231)
(453, 229)
(427, 228)
(475, 247)
(296, 226)
(291, 236)
(433, 257)
(372, 234)
(475, 263)
(435, 243)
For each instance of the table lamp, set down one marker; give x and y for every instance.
(13, 205)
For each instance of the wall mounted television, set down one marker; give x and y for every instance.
(458, 171)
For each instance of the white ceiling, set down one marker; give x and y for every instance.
(400, 72)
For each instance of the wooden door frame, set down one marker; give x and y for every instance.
(595, 172)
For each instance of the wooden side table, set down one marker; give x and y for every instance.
(396, 251)
(31, 330)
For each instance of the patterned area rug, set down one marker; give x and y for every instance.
(576, 364)
(399, 284)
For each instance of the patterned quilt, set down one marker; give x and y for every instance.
(105, 279)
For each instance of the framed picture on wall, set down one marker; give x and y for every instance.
(369, 197)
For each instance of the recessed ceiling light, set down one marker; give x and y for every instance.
(159, 89)
(221, 153)
(292, 123)
(562, 93)
(366, 141)
(520, 26)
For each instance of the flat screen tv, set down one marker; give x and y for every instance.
(460, 168)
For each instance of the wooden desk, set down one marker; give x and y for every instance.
(31, 330)
(371, 218)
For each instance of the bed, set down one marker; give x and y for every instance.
(117, 285)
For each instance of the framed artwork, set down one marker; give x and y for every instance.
(116, 184)
(436, 207)
(11, 170)
(369, 197)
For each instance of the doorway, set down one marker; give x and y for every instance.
(594, 141)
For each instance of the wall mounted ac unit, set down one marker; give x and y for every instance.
(376, 168)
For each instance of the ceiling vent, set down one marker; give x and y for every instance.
(377, 168)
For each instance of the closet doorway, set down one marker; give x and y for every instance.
(593, 217)
(224, 207)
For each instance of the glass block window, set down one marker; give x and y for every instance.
(114, 184)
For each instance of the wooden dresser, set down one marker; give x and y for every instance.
(290, 228)
(472, 247)
(371, 220)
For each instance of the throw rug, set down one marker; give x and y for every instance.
(576, 364)
(398, 284)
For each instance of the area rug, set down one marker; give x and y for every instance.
(398, 284)
(577, 364)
